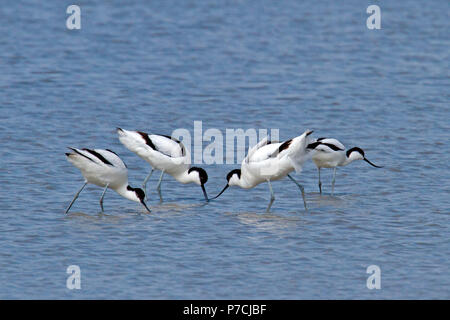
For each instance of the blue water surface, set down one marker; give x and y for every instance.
(290, 65)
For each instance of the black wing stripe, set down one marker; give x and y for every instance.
(99, 156)
(332, 146)
(284, 145)
(147, 140)
(183, 151)
(111, 151)
(117, 156)
(83, 155)
(329, 145)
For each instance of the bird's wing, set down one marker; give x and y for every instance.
(326, 145)
(282, 149)
(292, 146)
(111, 157)
(141, 142)
(334, 144)
(265, 152)
(296, 151)
(253, 149)
(92, 155)
(168, 145)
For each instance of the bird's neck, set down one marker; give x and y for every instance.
(126, 193)
(346, 161)
(184, 177)
(244, 183)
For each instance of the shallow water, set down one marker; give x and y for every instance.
(288, 64)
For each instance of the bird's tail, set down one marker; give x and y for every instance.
(298, 152)
(129, 138)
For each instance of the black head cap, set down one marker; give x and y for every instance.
(232, 172)
(349, 151)
(139, 192)
(202, 174)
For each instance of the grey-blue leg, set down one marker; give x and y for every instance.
(158, 187)
(334, 180)
(76, 196)
(301, 189)
(272, 196)
(103, 195)
(144, 185)
(320, 183)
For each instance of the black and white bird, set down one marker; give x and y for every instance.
(269, 161)
(166, 154)
(330, 153)
(105, 169)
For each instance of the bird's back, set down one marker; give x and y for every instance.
(99, 166)
(297, 152)
(264, 152)
(168, 145)
(333, 144)
(328, 153)
(162, 152)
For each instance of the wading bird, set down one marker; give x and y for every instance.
(166, 154)
(330, 153)
(105, 169)
(269, 161)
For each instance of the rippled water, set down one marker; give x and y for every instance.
(162, 65)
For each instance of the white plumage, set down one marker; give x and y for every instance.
(166, 154)
(331, 153)
(105, 169)
(269, 161)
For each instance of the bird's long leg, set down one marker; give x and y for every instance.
(144, 185)
(320, 183)
(76, 196)
(301, 189)
(103, 195)
(272, 196)
(158, 186)
(334, 180)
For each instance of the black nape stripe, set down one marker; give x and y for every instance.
(354, 149)
(201, 172)
(285, 145)
(147, 140)
(139, 192)
(320, 139)
(232, 172)
(99, 156)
